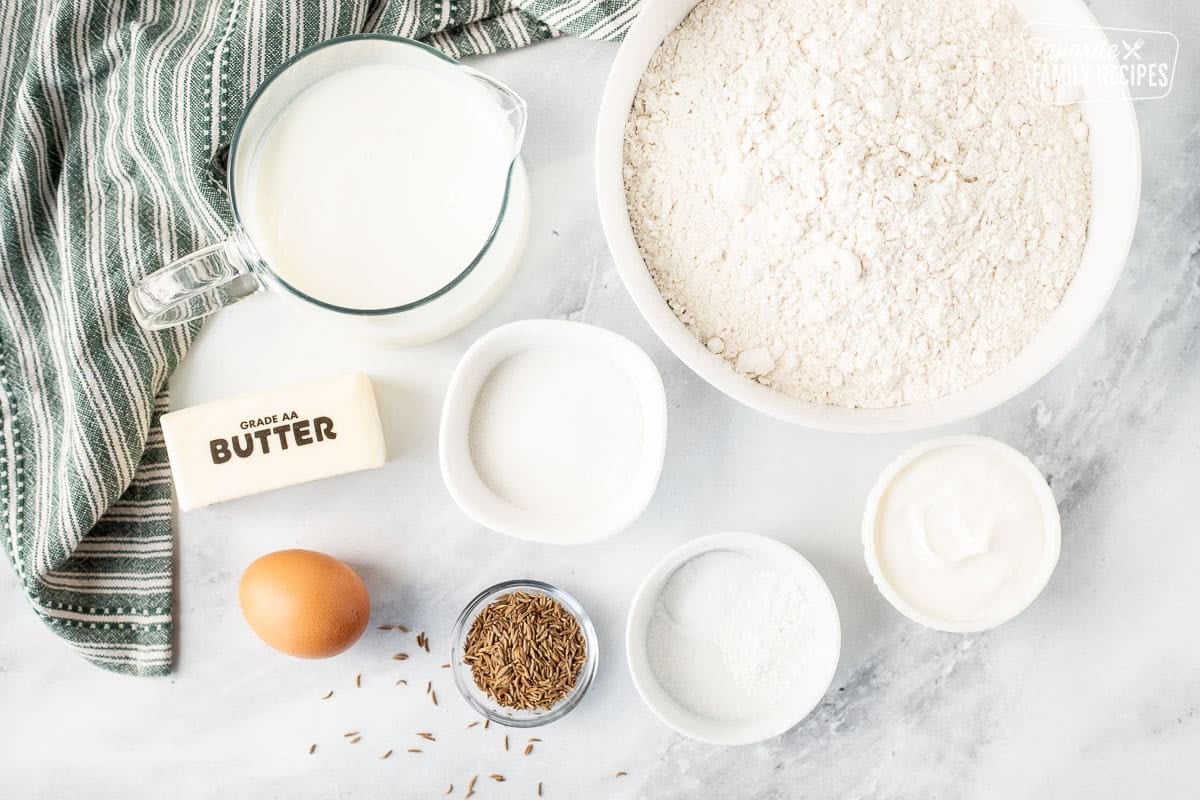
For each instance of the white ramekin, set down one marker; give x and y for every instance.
(483, 505)
(798, 703)
(1050, 518)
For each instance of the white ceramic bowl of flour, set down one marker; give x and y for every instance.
(710, 705)
(1115, 160)
(553, 431)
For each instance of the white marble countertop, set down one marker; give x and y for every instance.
(1092, 693)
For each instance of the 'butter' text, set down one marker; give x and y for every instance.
(300, 433)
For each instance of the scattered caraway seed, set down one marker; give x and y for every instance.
(350, 733)
(433, 696)
(312, 749)
(534, 739)
(329, 695)
(414, 750)
(358, 681)
(400, 657)
(385, 755)
(506, 744)
(445, 666)
(528, 749)
(356, 740)
(450, 788)
(497, 778)
(472, 724)
(622, 774)
(402, 682)
(471, 785)
(427, 736)
(402, 629)
(428, 687)
(385, 627)
(539, 788)
(486, 724)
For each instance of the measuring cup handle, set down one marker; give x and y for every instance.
(194, 286)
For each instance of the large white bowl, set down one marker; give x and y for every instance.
(1116, 183)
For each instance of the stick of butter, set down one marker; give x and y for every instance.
(257, 442)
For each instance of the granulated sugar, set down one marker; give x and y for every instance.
(858, 203)
(557, 430)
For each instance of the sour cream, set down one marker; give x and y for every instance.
(961, 534)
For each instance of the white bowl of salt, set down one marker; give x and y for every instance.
(553, 431)
(733, 638)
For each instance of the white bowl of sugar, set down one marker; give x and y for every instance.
(733, 638)
(1113, 156)
(553, 431)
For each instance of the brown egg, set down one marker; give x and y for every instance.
(304, 603)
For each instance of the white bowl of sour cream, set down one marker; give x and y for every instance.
(961, 533)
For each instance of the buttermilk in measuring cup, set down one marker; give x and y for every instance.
(377, 185)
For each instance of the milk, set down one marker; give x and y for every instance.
(378, 185)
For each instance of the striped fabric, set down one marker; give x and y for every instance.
(112, 118)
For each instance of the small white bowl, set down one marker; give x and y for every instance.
(803, 697)
(1115, 156)
(1050, 518)
(462, 478)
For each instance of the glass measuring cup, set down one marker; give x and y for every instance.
(202, 282)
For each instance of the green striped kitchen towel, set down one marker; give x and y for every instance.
(111, 112)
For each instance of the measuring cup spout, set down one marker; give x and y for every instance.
(511, 104)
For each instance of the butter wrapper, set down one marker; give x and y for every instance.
(257, 442)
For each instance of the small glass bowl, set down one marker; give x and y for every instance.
(512, 717)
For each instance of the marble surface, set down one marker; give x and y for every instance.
(1093, 693)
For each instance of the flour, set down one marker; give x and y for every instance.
(858, 203)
